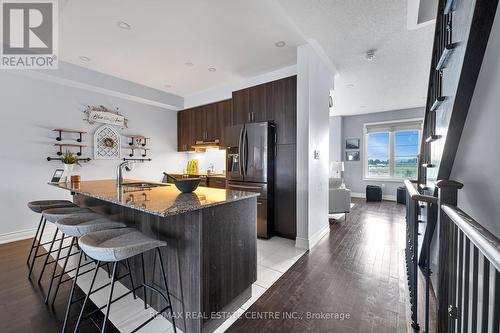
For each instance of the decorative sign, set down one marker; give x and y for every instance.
(103, 115)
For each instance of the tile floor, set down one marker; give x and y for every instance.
(274, 257)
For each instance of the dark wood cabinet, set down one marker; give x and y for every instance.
(184, 131)
(224, 112)
(241, 107)
(203, 123)
(216, 182)
(274, 101)
(281, 97)
(285, 191)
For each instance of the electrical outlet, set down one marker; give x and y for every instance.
(316, 154)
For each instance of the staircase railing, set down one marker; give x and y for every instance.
(413, 243)
(468, 274)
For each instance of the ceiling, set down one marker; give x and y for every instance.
(238, 37)
(398, 75)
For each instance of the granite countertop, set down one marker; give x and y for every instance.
(163, 201)
(209, 175)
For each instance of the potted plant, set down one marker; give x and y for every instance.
(69, 160)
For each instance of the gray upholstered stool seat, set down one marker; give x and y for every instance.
(117, 244)
(41, 205)
(55, 214)
(82, 224)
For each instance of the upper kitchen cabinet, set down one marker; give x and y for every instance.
(282, 108)
(224, 112)
(184, 131)
(273, 101)
(203, 123)
(241, 107)
(250, 105)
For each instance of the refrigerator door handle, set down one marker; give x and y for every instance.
(240, 153)
(245, 152)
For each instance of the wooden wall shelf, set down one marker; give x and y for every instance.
(133, 149)
(61, 145)
(65, 130)
(143, 140)
(87, 159)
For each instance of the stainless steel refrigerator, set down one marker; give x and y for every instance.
(250, 168)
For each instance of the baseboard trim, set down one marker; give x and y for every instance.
(307, 244)
(363, 196)
(17, 235)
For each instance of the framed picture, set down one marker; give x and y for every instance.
(352, 144)
(352, 155)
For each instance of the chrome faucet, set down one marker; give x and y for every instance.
(119, 171)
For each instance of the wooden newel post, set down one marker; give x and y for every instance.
(448, 191)
(448, 242)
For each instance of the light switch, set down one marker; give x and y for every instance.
(316, 154)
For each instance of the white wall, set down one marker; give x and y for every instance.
(314, 82)
(30, 108)
(335, 139)
(478, 157)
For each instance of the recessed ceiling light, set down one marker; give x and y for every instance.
(124, 25)
(212, 69)
(363, 106)
(280, 43)
(350, 85)
(189, 64)
(84, 58)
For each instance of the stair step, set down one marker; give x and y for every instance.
(432, 138)
(437, 103)
(445, 56)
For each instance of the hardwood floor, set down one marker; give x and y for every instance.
(355, 273)
(22, 308)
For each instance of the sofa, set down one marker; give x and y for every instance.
(339, 197)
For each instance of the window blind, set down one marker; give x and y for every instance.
(391, 127)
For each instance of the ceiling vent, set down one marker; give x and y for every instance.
(370, 55)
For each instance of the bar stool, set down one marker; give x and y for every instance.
(74, 226)
(53, 215)
(114, 246)
(38, 207)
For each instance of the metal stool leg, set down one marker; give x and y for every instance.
(47, 256)
(37, 247)
(131, 278)
(54, 269)
(87, 297)
(35, 240)
(113, 280)
(144, 281)
(73, 240)
(72, 293)
(166, 288)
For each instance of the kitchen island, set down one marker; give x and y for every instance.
(211, 257)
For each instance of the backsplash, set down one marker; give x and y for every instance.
(214, 157)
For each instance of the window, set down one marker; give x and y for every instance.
(391, 150)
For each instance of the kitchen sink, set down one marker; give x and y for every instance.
(143, 184)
